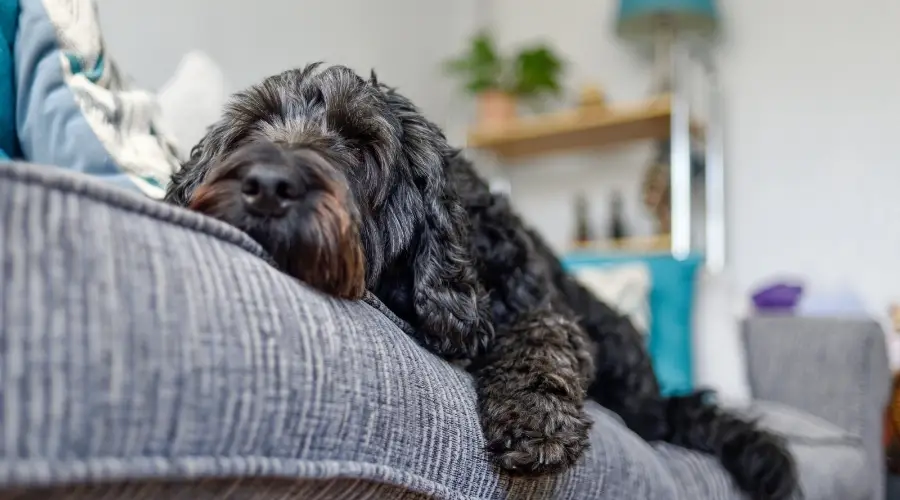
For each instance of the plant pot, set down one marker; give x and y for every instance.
(496, 108)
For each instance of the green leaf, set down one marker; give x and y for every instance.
(537, 71)
(534, 71)
(480, 67)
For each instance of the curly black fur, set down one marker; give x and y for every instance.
(456, 262)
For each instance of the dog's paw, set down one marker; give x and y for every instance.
(535, 433)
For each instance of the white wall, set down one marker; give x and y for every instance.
(813, 127)
(815, 121)
(813, 106)
(403, 39)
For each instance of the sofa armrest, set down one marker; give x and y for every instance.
(835, 369)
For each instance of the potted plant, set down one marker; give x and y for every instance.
(499, 83)
(536, 72)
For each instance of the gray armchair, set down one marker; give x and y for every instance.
(835, 369)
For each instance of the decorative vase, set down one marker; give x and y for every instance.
(591, 99)
(496, 108)
(657, 195)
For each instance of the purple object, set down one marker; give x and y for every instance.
(778, 297)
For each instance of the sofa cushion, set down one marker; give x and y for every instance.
(148, 345)
(140, 341)
(233, 488)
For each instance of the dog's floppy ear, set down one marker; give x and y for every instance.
(449, 301)
(192, 172)
(450, 306)
(184, 181)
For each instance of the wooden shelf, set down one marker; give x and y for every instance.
(580, 128)
(635, 244)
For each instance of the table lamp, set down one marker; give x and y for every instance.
(661, 22)
(672, 26)
(643, 19)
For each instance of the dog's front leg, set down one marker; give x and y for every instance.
(533, 376)
(531, 388)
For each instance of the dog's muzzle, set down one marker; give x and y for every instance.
(295, 204)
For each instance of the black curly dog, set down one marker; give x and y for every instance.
(350, 189)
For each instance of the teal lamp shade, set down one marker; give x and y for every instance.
(644, 18)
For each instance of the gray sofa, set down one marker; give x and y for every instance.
(149, 352)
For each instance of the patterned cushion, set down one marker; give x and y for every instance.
(76, 110)
(626, 287)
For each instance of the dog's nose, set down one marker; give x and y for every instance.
(269, 190)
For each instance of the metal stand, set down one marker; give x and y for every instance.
(714, 246)
(680, 151)
(716, 237)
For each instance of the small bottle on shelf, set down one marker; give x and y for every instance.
(616, 225)
(583, 234)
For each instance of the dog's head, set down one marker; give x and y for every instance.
(343, 182)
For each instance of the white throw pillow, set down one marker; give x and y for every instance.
(192, 99)
(625, 287)
(720, 361)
